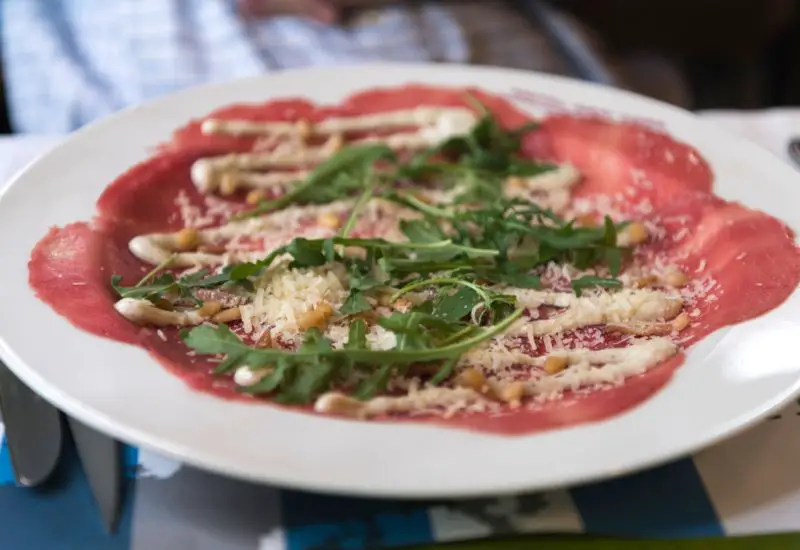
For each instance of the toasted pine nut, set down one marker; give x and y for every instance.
(211, 249)
(675, 278)
(227, 315)
(228, 184)
(340, 405)
(187, 238)
(209, 308)
(329, 220)
(304, 129)
(512, 393)
(473, 379)
(636, 233)
(554, 364)
(402, 305)
(254, 197)
(265, 341)
(515, 182)
(316, 318)
(681, 322)
(647, 280)
(334, 143)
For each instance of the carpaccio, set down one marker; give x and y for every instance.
(751, 258)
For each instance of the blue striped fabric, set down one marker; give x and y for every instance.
(666, 502)
(68, 62)
(60, 514)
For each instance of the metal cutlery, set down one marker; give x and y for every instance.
(34, 435)
(101, 458)
(794, 150)
(33, 430)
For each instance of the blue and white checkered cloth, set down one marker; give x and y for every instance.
(68, 62)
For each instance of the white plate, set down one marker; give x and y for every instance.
(729, 381)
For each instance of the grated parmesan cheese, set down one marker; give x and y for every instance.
(283, 294)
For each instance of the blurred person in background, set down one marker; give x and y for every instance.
(69, 62)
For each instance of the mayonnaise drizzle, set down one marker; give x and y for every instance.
(156, 248)
(144, 312)
(446, 119)
(436, 124)
(627, 305)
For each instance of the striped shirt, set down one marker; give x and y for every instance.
(68, 62)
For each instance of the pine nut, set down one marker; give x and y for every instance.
(402, 305)
(515, 182)
(675, 278)
(334, 143)
(471, 378)
(554, 364)
(636, 233)
(227, 315)
(187, 238)
(316, 318)
(209, 308)
(512, 393)
(265, 341)
(329, 220)
(681, 322)
(304, 129)
(255, 196)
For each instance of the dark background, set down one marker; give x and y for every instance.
(737, 54)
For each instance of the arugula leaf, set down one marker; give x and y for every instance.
(613, 258)
(455, 306)
(315, 375)
(590, 281)
(495, 240)
(357, 335)
(356, 302)
(166, 284)
(376, 383)
(334, 179)
(299, 376)
(308, 253)
(422, 231)
(272, 381)
(444, 372)
(516, 279)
